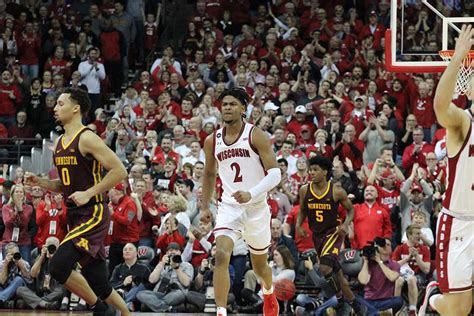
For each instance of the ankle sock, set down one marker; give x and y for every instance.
(266, 292)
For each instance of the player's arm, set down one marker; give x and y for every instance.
(302, 213)
(340, 195)
(50, 185)
(90, 143)
(449, 115)
(264, 149)
(209, 176)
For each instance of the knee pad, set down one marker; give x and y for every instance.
(333, 284)
(102, 291)
(60, 268)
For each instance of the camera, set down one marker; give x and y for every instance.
(213, 261)
(16, 256)
(370, 250)
(137, 280)
(51, 249)
(309, 254)
(176, 259)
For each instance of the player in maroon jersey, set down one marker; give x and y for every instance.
(319, 201)
(79, 155)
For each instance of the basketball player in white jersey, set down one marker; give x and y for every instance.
(248, 169)
(455, 230)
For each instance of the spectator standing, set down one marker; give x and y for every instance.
(124, 224)
(376, 136)
(417, 151)
(113, 48)
(124, 23)
(370, 220)
(350, 147)
(16, 215)
(10, 99)
(50, 218)
(92, 72)
(29, 47)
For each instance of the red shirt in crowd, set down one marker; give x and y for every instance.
(124, 222)
(29, 50)
(388, 198)
(402, 251)
(370, 222)
(423, 109)
(199, 252)
(302, 243)
(50, 221)
(8, 105)
(16, 225)
(409, 158)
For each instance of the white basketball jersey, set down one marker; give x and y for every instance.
(240, 167)
(459, 196)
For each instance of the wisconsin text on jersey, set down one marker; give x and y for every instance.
(232, 153)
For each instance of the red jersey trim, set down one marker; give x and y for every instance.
(238, 137)
(458, 290)
(466, 140)
(250, 141)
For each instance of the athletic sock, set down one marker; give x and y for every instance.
(266, 292)
(412, 307)
(221, 311)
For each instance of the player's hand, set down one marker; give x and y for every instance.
(30, 179)
(464, 42)
(44, 250)
(301, 232)
(242, 196)
(80, 197)
(205, 215)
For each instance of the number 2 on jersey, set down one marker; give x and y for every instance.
(65, 176)
(238, 176)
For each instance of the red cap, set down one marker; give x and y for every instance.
(119, 187)
(416, 187)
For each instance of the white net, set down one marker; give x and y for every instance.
(463, 83)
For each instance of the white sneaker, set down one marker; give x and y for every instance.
(430, 288)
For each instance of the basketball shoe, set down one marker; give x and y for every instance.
(270, 305)
(431, 289)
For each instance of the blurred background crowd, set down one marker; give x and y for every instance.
(154, 70)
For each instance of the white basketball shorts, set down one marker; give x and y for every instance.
(454, 254)
(250, 222)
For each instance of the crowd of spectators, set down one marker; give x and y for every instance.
(315, 73)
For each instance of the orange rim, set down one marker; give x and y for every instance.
(448, 54)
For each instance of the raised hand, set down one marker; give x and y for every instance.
(464, 42)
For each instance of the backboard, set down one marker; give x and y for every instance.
(419, 29)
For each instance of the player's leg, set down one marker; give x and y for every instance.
(262, 269)
(221, 279)
(61, 268)
(95, 272)
(452, 303)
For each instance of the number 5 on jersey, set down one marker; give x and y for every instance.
(319, 216)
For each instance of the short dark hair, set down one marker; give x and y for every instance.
(283, 161)
(81, 97)
(323, 162)
(238, 93)
(189, 183)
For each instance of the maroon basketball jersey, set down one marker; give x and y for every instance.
(77, 172)
(323, 214)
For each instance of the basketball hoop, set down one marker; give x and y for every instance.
(463, 83)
